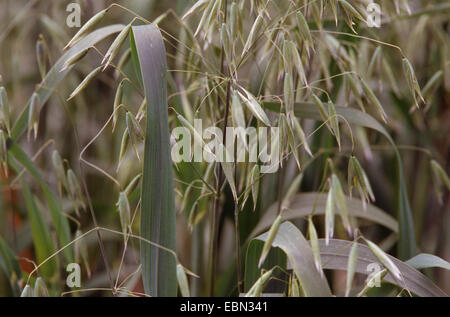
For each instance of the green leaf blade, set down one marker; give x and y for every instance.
(335, 256)
(59, 220)
(158, 210)
(301, 205)
(43, 243)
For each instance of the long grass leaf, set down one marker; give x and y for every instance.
(158, 210)
(42, 240)
(301, 205)
(10, 266)
(335, 256)
(60, 222)
(424, 260)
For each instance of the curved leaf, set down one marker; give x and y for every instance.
(302, 205)
(335, 257)
(424, 260)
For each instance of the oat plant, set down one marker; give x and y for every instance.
(356, 203)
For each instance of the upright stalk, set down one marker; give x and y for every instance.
(214, 224)
(216, 212)
(237, 239)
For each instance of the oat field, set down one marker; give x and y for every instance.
(294, 148)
